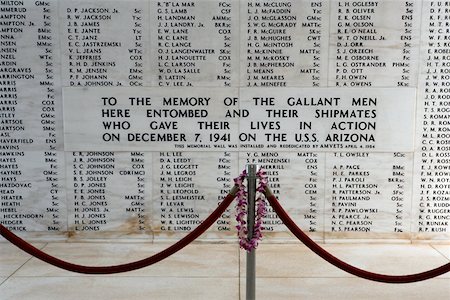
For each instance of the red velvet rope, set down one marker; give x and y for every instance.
(290, 224)
(30, 249)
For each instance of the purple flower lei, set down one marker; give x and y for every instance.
(241, 210)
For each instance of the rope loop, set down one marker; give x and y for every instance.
(290, 224)
(30, 249)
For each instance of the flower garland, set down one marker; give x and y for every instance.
(241, 210)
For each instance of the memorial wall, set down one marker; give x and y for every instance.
(130, 119)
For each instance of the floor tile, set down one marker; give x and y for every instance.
(348, 288)
(281, 260)
(112, 288)
(195, 260)
(211, 271)
(286, 260)
(12, 258)
(443, 249)
(392, 259)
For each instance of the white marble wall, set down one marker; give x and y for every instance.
(130, 119)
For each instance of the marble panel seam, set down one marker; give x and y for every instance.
(123, 277)
(18, 268)
(440, 252)
(349, 276)
(26, 261)
(2, 281)
(128, 276)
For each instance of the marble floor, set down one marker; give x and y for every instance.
(217, 271)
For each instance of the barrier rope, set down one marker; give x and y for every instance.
(290, 224)
(30, 249)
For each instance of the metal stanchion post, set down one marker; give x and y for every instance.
(251, 271)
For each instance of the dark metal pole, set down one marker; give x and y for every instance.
(251, 263)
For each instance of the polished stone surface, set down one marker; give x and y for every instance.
(217, 271)
(299, 261)
(443, 249)
(195, 260)
(348, 288)
(119, 288)
(12, 258)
